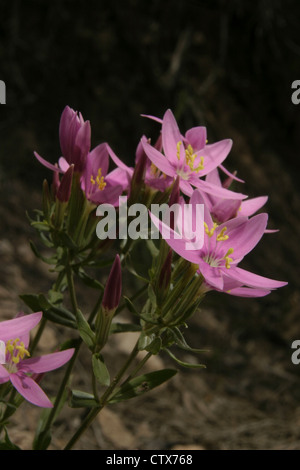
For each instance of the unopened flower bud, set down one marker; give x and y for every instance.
(110, 301)
(113, 288)
(64, 191)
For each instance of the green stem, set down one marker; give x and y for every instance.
(79, 342)
(103, 400)
(62, 386)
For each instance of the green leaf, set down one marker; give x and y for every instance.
(7, 444)
(89, 281)
(123, 328)
(152, 248)
(81, 399)
(32, 301)
(51, 260)
(142, 384)
(100, 370)
(155, 346)
(145, 340)
(85, 330)
(181, 342)
(41, 226)
(56, 314)
(185, 364)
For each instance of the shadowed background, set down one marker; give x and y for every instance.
(226, 65)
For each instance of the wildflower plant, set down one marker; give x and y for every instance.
(177, 170)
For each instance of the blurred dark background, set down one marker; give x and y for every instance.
(113, 60)
(228, 65)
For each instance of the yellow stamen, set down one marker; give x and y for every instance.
(12, 346)
(99, 180)
(190, 159)
(228, 260)
(211, 231)
(178, 149)
(221, 236)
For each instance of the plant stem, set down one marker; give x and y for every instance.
(103, 400)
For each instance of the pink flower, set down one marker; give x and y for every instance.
(75, 142)
(17, 366)
(99, 186)
(153, 175)
(224, 247)
(223, 209)
(180, 158)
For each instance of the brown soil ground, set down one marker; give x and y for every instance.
(246, 398)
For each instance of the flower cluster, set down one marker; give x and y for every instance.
(231, 227)
(170, 273)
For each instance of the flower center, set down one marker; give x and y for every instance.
(190, 157)
(213, 258)
(15, 351)
(99, 180)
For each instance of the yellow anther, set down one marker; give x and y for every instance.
(178, 149)
(221, 236)
(190, 159)
(211, 231)
(228, 260)
(153, 169)
(99, 180)
(12, 346)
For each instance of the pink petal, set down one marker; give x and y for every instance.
(4, 374)
(170, 137)
(46, 363)
(63, 164)
(215, 190)
(177, 243)
(214, 155)
(185, 187)
(196, 137)
(119, 177)
(44, 162)
(244, 237)
(116, 160)
(11, 329)
(253, 280)
(159, 160)
(152, 117)
(231, 175)
(250, 206)
(98, 158)
(212, 275)
(248, 292)
(30, 390)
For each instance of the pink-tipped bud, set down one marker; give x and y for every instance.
(113, 288)
(64, 191)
